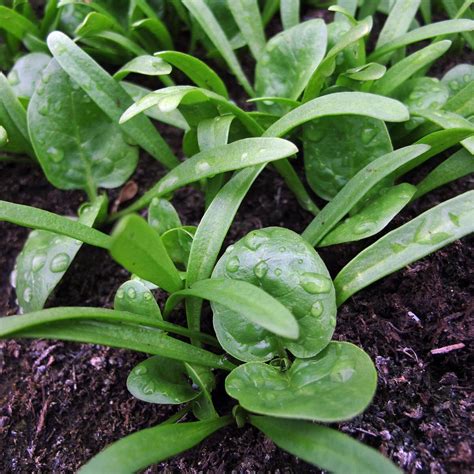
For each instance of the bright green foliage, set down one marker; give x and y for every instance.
(26, 72)
(162, 216)
(134, 297)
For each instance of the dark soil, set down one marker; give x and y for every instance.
(60, 403)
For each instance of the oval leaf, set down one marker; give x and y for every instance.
(133, 296)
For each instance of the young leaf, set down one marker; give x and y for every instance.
(356, 189)
(285, 266)
(373, 218)
(239, 154)
(146, 65)
(288, 61)
(324, 447)
(133, 452)
(459, 164)
(458, 77)
(38, 219)
(178, 243)
(26, 72)
(340, 103)
(208, 22)
(336, 148)
(290, 13)
(446, 27)
(421, 236)
(367, 72)
(198, 71)
(76, 143)
(203, 408)
(162, 216)
(108, 95)
(247, 16)
(16, 23)
(157, 28)
(134, 297)
(45, 258)
(335, 385)
(137, 247)
(248, 300)
(161, 380)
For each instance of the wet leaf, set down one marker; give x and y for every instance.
(133, 296)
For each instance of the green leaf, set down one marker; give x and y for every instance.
(162, 215)
(95, 23)
(290, 13)
(458, 77)
(27, 216)
(357, 188)
(246, 299)
(247, 16)
(108, 95)
(45, 258)
(16, 24)
(178, 243)
(324, 447)
(139, 248)
(407, 67)
(288, 61)
(26, 72)
(446, 27)
(239, 154)
(133, 452)
(161, 380)
(76, 143)
(459, 164)
(367, 72)
(157, 28)
(134, 297)
(372, 218)
(146, 65)
(286, 267)
(198, 71)
(208, 22)
(214, 132)
(423, 235)
(336, 148)
(336, 385)
(13, 119)
(340, 103)
(203, 407)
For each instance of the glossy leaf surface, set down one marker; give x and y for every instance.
(178, 242)
(26, 73)
(133, 296)
(162, 215)
(286, 267)
(335, 385)
(146, 65)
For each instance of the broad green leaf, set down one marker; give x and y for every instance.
(446, 27)
(290, 13)
(211, 233)
(335, 385)
(324, 447)
(139, 248)
(198, 71)
(76, 143)
(114, 329)
(246, 14)
(16, 24)
(459, 164)
(407, 67)
(458, 77)
(133, 452)
(95, 23)
(214, 132)
(348, 103)
(208, 22)
(178, 242)
(246, 299)
(162, 215)
(372, 218)
(286, 267)
(367, 72)
(34, 218)
(161, 380)
(357, 188)
(13, 119)
(239, 154)
(26, 72)
(173, 117)
(421, 236)
(288, 61)
(146, 65)
(45, 258)
(134, 326)
(336, 148)
(108, 95)
(157, 28)
(134, 297)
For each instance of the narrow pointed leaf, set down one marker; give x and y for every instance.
(146, 65)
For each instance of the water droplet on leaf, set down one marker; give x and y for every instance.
(315, 283)
(317, 309)
(233, 264)
(38, 262)
(59, 263)
(55, 154)
(261, 269)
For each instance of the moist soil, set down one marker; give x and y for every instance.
(61, 403)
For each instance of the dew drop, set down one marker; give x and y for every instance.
(317, 309)
(261, 269)
(45, 78)
(148, 296)
(270, 396)
(341, 373)
(202, 167)
(120, 293)
(27, 294)
(244, 156)
(13, 78)
(233, 264)
(454, 85)
(277, 272)
(140, 370)
(43, 110)
(315, 283)
(55, 154)
(454, 219)
(131, 293)
(149, 388)
(300, 261)
(282, 249)
(229, 248)
(363, 227)
(59, 263)
(368, 134)
(396, 247)
(38, 262)
(466, 78)
(253, 240)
